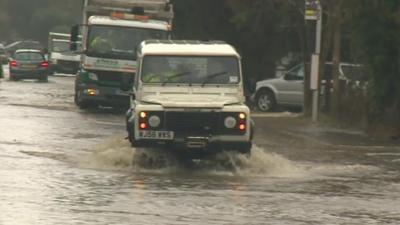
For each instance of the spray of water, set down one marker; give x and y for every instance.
(260, 163)
(116, 154)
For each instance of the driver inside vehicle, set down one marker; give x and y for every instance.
(155, 69)
(160, 71)
(103, 43)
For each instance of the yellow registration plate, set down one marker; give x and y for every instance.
(28, 67)
(156, 135)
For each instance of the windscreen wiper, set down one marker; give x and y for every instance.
(175, 76)
(211, 76)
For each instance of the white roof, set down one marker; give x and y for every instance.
(150, 24)
(28, 50)
(129, 3)
(61, 40)
(161, 9)
(60, 34)
(188, 48)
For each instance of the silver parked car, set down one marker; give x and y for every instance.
(29, 64)
(288, 90)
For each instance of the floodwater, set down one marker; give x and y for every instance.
(62, 165)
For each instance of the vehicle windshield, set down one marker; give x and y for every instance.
(191, 70)
(28, 56)
(119, 42)
(60, 46)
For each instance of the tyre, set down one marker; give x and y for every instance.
(82, 104)
(266, 101)
(44, 79)
(130, 128)
(52, 72)
(13, 78)
(134, 144)
(246, 151)
(131, 137)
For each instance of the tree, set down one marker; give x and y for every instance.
(336, 13)
(262, 31)
(21, 19)
(376, 33)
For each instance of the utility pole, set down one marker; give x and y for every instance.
(314, 12)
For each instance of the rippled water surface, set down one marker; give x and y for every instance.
(60, 165)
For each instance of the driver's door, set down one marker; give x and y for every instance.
(291, 89)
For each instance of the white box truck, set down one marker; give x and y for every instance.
(61, 59)
(111, 33)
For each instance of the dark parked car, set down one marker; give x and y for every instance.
(29, 64)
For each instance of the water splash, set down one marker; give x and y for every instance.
(260, 163)
(116, 154)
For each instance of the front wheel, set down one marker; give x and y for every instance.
(44, 79)
(13, 78)
(266, 101)
(246, 149)
(82, 104)
(130, 127)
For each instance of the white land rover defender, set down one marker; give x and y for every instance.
(188, 95)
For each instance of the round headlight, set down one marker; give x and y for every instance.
(93, 76)
(230, 122)
(154, 121)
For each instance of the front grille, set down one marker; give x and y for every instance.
(111, 76)
(193, 123)
(68, 64)
(115, 100)
(118, 98)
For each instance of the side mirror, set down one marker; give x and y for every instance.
(74, 37)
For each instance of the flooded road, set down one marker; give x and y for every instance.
(62, 165)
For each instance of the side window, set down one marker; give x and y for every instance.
(300, 73)
(297, 73)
